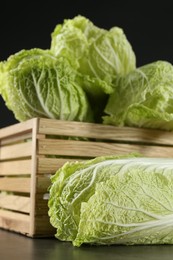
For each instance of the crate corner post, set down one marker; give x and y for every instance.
(33, 183)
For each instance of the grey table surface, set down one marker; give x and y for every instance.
(16, 246)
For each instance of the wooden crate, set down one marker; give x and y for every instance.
(33, 150)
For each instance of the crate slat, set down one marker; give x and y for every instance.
(14, 221)
(17, 129)
(14, 202)
(50, 165)
(105, 132)
(16, 167)
(16, 151)
(92, 149)
(18, 184)
(16, 139)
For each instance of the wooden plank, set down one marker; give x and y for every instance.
(16, 129)
(16, 151)
(17, 167)
(93, 149)
(51, 165)
(105, 132)
(16, 139)
(33, 191)
(14, 202)
(14, 221)
(17, 184)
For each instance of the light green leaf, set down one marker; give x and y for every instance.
(71, 185)
(34, 83)
(143, 98)
(135, 206)
(97, 54)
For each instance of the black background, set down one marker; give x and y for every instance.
(148, 26)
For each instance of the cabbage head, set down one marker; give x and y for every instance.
(73, 184)
(143, 98)
(99, 55)
(35, 83)
(113, 200)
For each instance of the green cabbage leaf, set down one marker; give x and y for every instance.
(35, 83)
(143, 98)
(99, 55)
(113, 200)
(73, 183)
(134, 206)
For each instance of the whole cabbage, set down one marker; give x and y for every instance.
(35, 83)
(113, 200)
(99, 55)
(143, 98)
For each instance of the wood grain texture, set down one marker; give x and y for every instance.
(14, 202)
(16, 151)
(17, 167)
(17, 184)
(51, 165)
(92, 149)
(17, 129)
(33, 187)
(20, 138)
(105, 132)
(14, 221)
